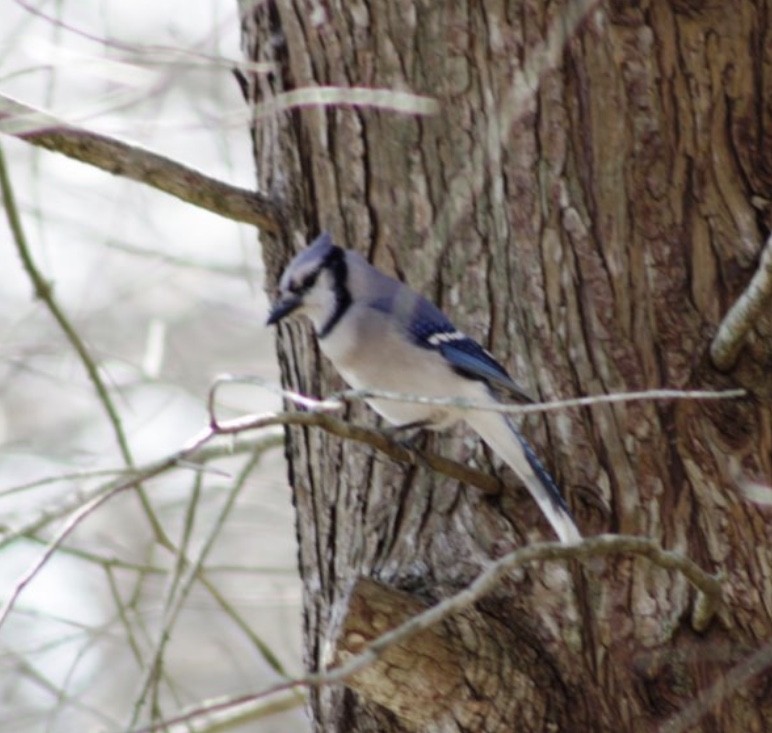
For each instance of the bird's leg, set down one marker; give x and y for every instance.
(411, 437)
(408, 433)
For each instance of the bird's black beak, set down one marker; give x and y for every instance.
(283, 307)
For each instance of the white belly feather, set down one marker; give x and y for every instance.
(383, 359)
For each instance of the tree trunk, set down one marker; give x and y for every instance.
(588, 202)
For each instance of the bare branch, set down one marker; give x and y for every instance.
(743, 314)
(709, 586)
(127, 478)
(437, 674)
(320, 96)
(337, 401)
(600, 546)
(134, 162)
(185, 573)
(521, 409)
(151, 53)
(44, 292)
(101, 496)
(374, 438)
(244, 715)
(725, 685)
(72, 522)
(317, 417)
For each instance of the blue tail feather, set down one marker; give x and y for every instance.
(555, 494)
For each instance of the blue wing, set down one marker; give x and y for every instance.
(429, 328)
(470, 359)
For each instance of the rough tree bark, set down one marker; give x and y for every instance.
(591, 232)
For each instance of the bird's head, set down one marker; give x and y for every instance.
(314, 285)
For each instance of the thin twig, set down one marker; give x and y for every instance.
(337, 401)
(242, 272)
(317, 417)
(247, 715)
(44, 292)
(127, 479)
(153, 53)
(97, 499)
(123, 617)
(312, 404)
(153, 671)
(181, 585)
(72, 522)
(520, 409)
(23, 667)
(197, 450)
(60, 478)
(598, 546)
(326, 96)
(134, 162)
(122, 605)
(724, 686)
(106, 563)
(374, 438)
(742, 316)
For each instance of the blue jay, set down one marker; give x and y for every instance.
(381, 335)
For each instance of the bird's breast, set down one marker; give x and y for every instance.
(370, 354)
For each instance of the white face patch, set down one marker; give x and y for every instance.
(294, 279)
(319, 301)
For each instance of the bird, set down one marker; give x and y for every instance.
(381, 335)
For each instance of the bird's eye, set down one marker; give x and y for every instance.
(298, 287)
(308, 281)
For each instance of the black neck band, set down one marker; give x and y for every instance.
(336, 264)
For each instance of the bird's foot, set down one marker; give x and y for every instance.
(408, 434)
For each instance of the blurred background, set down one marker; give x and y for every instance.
(165, 297)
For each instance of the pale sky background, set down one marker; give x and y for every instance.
(135, 270)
